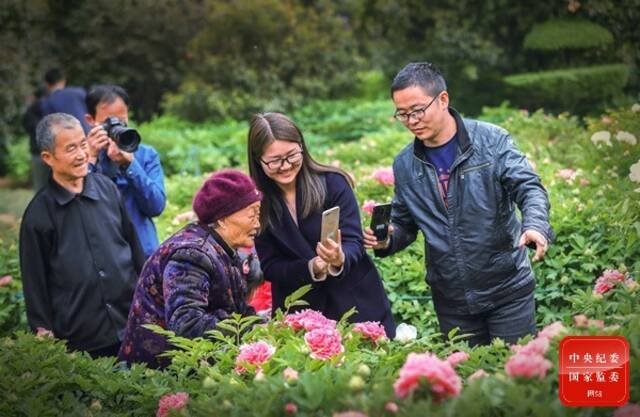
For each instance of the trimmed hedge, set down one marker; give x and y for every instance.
(554, 35)
(575, 90)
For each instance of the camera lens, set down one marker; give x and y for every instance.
(126, 138)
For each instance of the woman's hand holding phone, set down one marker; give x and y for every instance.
(331, 252)
(320, 267)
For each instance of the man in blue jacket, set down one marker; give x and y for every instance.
(138, 175)
(459, 183)
(63, 99)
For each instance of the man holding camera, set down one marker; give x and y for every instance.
(459, 182)
(134, 168)
(79, 253)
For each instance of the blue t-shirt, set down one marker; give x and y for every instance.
(442, 157)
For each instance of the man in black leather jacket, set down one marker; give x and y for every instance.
(459, 183)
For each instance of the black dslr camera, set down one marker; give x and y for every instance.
(126, 138)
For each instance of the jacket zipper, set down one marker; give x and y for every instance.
(464, 171)
(433, 169)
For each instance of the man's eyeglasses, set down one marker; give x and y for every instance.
(276, 164)
(416, 114)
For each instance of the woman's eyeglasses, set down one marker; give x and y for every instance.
(276, 164)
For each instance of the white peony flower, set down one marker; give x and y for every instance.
(405, 333)
(634, 172)
(601, 136)
(623, 136)
(635, 108)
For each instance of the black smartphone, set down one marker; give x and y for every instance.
(380, 221)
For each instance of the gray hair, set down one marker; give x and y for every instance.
(48, 128)
(420, 74)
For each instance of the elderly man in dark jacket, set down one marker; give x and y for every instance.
(195, 279)
(457, 183)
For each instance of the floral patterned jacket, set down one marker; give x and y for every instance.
(192, 281)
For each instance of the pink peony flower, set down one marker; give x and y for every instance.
(607, 281)
(596, 323)
(324, 343)
(309, 320)
(384, 176)
(527, 366)
(391, 407)
(253, 354)
(290, 408)
(350, 414)
(42, 332)
(567, 174)
(537, 346)
(552, 330)
(629, 410)
(601, 287)
(370, 329)
(368, 206)
(5, 280)
(480, 373)
(290, 374)
(457, 357)
(580, 320)
(443, 380)
(176, 401)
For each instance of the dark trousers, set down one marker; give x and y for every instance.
(509, 322)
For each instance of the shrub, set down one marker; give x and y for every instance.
(554, 35)
(278, 49)
(577, 90)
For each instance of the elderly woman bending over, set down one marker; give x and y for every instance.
(195, 279)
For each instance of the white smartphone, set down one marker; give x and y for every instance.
(330, 224)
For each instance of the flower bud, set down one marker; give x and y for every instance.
(364, 370)
(209, 383)
(356, 383)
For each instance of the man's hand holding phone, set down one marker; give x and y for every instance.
(378, 235)
(371, 242)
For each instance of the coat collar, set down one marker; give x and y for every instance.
(223, 244)
(464, 142)
(289, 233)
(64, 196)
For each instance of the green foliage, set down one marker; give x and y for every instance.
(39, 377)
(619, 17)
(272, 61)
(554, 35)
(18, 161)
(12, 309)
(195, 149)
(578, 90)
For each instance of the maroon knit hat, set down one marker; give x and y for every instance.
(224, 193)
